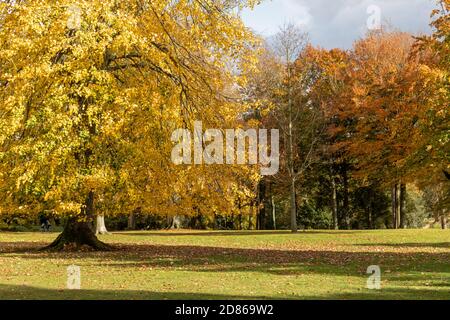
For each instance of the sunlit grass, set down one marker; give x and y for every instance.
(415, 264)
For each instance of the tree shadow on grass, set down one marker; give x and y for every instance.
(271, 261)
(22, 292)
(13, 292)
(21, 247)
(419, 268)
(445, 245)
(388, 294)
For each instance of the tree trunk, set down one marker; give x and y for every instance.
(294, 227)
(258, 206)
(131, 221)
(401, 210)
(75, 235)
(258, 218)
(346, 206)
(232, 221)
(100, 225)
(397, 211)
(394, 205)
(335, 203)
(177, 222)
(250, 224)
(78, 233)
(240, 214)
(274, 213)
(443, 222)
(369, 218)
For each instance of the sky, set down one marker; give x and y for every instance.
(338, 23)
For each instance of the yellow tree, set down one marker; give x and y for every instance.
(430, 159)
(90, 92)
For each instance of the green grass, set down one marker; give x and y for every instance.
(415, 264)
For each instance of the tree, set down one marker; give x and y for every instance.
(289, 42)
(383, 121)
(298, 120)
(280, 90)
(329, 94)
(91, 93)
(430, 158)
(436, 201)
(432, 151)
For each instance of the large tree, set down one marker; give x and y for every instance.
(90, 93)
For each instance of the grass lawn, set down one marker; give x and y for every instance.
(415, 264)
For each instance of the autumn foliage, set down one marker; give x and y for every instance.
(90, 94)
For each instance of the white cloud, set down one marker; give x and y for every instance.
(296, 12)
(337, 23)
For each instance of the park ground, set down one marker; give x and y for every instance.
(415, 264)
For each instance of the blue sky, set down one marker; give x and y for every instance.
(337, 23)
